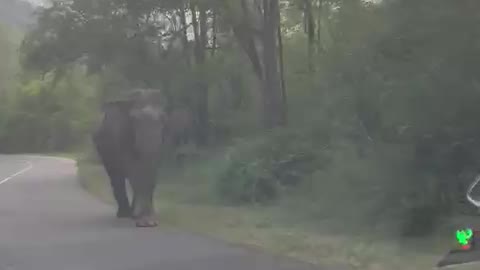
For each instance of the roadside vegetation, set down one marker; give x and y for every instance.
(355, 151)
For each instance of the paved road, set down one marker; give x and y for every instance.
(47, 222)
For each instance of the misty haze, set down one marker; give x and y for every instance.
(239, 134)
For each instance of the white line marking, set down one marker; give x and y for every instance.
(30, 165)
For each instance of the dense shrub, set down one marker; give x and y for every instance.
(258, 170)
(41, 115)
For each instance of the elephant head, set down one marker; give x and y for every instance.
(148, 122)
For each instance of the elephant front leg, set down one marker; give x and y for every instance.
(143, 211)
(142, 205)
(118, 185)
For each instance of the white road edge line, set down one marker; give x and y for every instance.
(30, 166)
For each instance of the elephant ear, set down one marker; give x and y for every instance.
(119, 111)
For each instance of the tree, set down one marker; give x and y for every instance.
(256, 26)
(199, 23)
(146, 42)
(9, 65)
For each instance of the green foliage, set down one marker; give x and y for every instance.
(259, 170)
(9, 66)
(385, 76)
(389, 76)
(405, 80)
(42, 116)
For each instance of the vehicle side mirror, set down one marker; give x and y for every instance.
(475, 183)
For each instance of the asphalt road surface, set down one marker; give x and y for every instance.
(47, 222)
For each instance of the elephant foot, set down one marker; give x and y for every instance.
(146, 222)
(124, 213)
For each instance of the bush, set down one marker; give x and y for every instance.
(259, 170)
(40, 116)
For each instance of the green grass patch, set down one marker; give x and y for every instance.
(186, 200)
(71, 155)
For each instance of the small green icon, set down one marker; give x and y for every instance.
(464, 236)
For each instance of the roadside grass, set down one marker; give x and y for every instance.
(185, 201)
(70, 155)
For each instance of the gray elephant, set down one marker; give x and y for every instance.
(130, 141)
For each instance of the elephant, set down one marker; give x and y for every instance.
(129, 142)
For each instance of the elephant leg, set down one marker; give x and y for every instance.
(136, 188)
(146, 212)
(143, 210)
(118, 184)
(137, 208)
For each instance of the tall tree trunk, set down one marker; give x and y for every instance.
(183, 22)
(319, 27)
(214, 32)
(282, 74)
(201, 93)
(196, 34)
(310, 32)
(258, 34)
(274, 110)
(305, 19)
